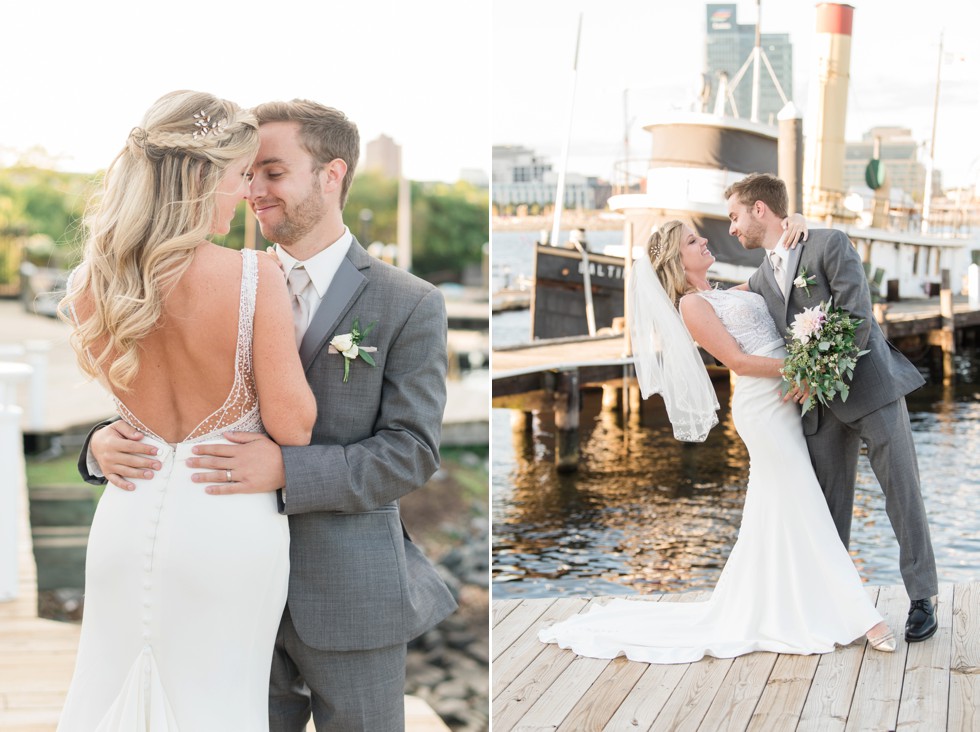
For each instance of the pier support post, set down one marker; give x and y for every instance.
(521, 421)
(522, 432)
(611, 397)
(949, 329)
(880, 310)
(636, 400)
(567, 401)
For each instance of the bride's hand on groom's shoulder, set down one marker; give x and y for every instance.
(795, 230)
(121, 455)
(253, 462)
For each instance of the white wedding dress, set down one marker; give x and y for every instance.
(789, 586)
(184, 590)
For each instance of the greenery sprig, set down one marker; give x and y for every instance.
(822, 354)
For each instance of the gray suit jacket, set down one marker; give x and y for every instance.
(881, 376)
(356, 580)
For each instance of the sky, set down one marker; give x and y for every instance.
(78, 76)
(652, 53)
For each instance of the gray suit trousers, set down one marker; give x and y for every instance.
(834, 453)
(345, 691)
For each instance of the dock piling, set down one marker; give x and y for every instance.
(568, 400)
(946, 337)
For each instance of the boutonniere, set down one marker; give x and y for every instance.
(349, 346)
(805, 281)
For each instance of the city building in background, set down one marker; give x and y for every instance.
(383, 155)
(899, 152)
(728, 44)
(522, 177)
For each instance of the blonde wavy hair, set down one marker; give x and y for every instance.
(664, 250)
(156, 205)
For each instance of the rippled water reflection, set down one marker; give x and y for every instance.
(646, 513)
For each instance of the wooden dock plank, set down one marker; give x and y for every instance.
(502, 609)
(829, 699)
(524, 690)
(646, 700)
(693, 695)
(640, 708)
(925, 688)
(522, 652)
(600, 702)
(879, 685)
(737, 697)
(964, 682)
(555, 703)
(781, 703)
(518, 621)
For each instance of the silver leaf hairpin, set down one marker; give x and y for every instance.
(656, 248)
(205, 126)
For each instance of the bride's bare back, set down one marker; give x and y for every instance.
(187, 363)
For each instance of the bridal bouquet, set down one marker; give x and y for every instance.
(821, 353)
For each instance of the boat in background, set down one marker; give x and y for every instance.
(694, 157)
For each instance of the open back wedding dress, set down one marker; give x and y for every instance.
(184, 590)
(789, 585)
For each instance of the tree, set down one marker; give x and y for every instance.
(450, 222)
(450, 225)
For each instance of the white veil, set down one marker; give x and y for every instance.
(666, 360)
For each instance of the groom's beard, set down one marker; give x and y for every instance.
(753, 235)
(297, 222)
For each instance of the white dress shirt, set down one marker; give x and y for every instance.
(321, 268)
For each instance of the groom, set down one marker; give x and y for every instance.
(826, 266)
(359, 589)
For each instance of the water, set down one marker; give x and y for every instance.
(645, 513)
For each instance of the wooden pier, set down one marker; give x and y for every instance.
(928, 686)
(548, 374)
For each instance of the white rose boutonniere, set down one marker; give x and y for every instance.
(349, 346)
(805, 281)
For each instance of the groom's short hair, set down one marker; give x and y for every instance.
(761, 187)
(326, 133)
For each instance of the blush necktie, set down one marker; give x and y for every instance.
(778, 272)
(299, 282)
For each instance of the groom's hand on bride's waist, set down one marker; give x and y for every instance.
(253, 464)
(121, 455)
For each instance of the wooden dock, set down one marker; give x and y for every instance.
(37, 656)
(540, 373)
(519, 369)
(929, 686)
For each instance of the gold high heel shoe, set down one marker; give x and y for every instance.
(884, 643)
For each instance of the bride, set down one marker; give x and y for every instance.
(184, 591)
(789, 585)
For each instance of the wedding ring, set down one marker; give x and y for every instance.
(228, 476)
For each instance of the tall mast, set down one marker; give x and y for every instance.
(927, 193)
(757, 61)
(560, 195)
